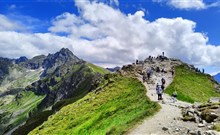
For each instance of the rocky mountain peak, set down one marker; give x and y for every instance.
(65, 54)
(60, 58)
(21, 59)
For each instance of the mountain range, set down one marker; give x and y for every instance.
(217, 77)
(30, 86)
(63, 94)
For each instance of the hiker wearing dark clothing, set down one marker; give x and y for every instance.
(159, 92)
(149, 72)
(157, 69)
(163, 81)
(148, 76)
(172, 72)
(144, 78)
(162, 87)
(174, 96)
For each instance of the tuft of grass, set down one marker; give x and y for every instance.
(112, 110)
(217, 127)
(97, 69)
(191, 86)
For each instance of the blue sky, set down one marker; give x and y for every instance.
(207, 20)
(192, 24)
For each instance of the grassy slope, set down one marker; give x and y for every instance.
(191, 86)
(114, 109)
(40, 117)
(18, 109)
(97, 69)
(19, 78)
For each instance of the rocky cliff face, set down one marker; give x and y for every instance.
(34, 63)
(21, 59)
(4, 67)
(54, 61)
(61, 76)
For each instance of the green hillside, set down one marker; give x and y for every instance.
(17, 111)
(97, 69)
(192, 86)
(113, 108)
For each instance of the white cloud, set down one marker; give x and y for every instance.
(103, 35)
(14, 44)
(106, 36)
(188, 4)
(7, 24)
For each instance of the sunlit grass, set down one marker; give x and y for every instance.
(112, 110)
(191, 86)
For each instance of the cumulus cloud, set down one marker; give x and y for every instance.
(14, 44)
(188, 4)
(102, 34)
(7, 24)
(15, 41)
(106, 36)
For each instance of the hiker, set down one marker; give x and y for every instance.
(144, 78)
(148, 74)
(157, 69)
(174, 96)
(163, 81)
(172, 72)
(159, 92)
(137, 62)
(162, 88)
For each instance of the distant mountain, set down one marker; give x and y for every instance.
(34, 63)
(29, 86)
(217, 77)
(113, 69)
(21, 59)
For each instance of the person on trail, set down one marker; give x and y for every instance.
(159, 92)
(157, 69)
(148, 74)
(163, 81)
(144, 78)
(162, 88)
(174, 96)
(172, 72)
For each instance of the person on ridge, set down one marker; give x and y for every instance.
(172, 72)
(148, 74)
(159, 92)
(174, 96)
(163, 81)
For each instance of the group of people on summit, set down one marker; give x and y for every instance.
(160, 87)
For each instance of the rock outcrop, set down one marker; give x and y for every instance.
(205, 115)
(5, 64)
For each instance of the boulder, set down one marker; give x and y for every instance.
(209, 116)
(214, 100)
(165, 128)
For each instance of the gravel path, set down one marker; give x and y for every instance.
(167, 120)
